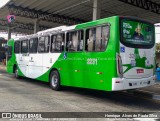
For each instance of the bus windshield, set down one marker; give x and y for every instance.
(137, 33)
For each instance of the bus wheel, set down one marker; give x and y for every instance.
(16, 73)
(54, 80)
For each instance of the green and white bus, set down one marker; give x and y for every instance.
(110, 54)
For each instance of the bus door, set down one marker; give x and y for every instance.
(17, 48)
(95, 46)
(74, 58)
(47, 58)
(24, 57)
(35, 68)
(21, 64)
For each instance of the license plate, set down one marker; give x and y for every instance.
(139, 71)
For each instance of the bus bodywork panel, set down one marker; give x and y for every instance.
(93, 69)
(89, 69)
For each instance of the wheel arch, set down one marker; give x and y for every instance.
(58, 86)
(53, 69)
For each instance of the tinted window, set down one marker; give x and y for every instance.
(17, 47)
(137, 34)
(33, 44)
(43, 45)
(57, 43)
(24, 46)
(75, 41)
(97, 38)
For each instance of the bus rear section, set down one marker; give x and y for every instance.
(136, 57)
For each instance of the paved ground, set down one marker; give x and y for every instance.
(26, 95)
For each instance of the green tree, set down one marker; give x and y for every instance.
(157, 47)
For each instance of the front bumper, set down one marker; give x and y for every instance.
(126, 83)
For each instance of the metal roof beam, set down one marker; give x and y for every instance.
(21, 25)
(144, 4)
(45, 16)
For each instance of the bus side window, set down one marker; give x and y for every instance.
(57, 43)
(43, 45)
(86, 39)
(47, 43)
(17, 47)
(24, 46)
(105, 36)
(97, 38)
(53, 43)
(80, 40)
(33, 45)
(75, 41)
(90, 39)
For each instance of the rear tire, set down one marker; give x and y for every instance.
(54, 80)
(16, 73)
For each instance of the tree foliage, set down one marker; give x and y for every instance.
(157, 47)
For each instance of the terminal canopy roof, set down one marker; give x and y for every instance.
(53, 13)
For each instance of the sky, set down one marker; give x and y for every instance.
(4, 35)
(3, 2)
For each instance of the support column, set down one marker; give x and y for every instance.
(9, 32)
(36, 26)
(96, 9)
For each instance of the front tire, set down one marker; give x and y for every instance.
(54, 80)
